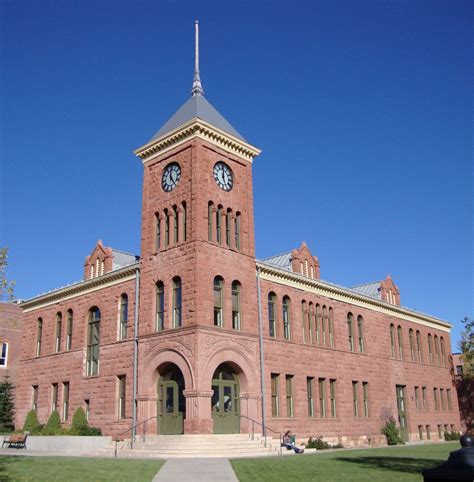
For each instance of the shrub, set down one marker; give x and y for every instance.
(32, 424)
(7, 407)
(53, 427)
(80, 426)
(448, 436)
(390, 431)
(319, 444)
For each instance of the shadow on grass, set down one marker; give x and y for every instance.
(3, 471)
(398, 464)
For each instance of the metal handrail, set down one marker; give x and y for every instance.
(134, 437)
(264, 431)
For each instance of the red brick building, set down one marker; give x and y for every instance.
(216, 326)
(10, 339)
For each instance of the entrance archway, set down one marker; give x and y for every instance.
(225, 400)
(171, 402)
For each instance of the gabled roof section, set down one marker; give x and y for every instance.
(282, 261)
(370, 289)
(197, 107)
(121, 259)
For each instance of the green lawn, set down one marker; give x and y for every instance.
(397, 464)
(19, 468)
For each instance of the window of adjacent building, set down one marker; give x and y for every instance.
(177, 302)
(412, 344)
(392, 340)
(428, 432)
(34, 398)
(350, 327)
(4, 355)
(418, 347)
(332, 394)
(160, 306)
(236, 289)
(59, 325)
(87, 410)
(417, 398)
(121, 396)
(400, 342)
(331, 327)
(324, 324)
(436, 347)
(318, 323)
(286, 317)
(440, 431)
(93, 342)
(365, 395)
(446, 427)
(210, 213)
(435, 396)
(167, 228)
(218, 301)
(458, 369)
(175, 225)
(309, 395)
(424, 398)
(218, 224)
(450, 402)
(360, 332)
(355, 398)
(430, 348)
(237, 228)
(54, 397)
(443, 399)
(271, 314)
(157, 232)
(123, 321)
(39, 336)
(65, 401)
(275, 401)
(69, 327)
(289, 395)
(184, 216)
(322, 397)
(420, 431)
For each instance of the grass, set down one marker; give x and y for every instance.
(397, 464)
(20, 468)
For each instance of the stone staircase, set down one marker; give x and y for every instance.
(193, 446)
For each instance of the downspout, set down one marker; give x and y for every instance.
(262, 368)
(135, 356)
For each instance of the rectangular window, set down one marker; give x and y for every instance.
(435, 396)
(39, 336)
(355, 398)
(440, 432)
(235, 306)
(420, 431)
(4, 355)
(309, 394)
(417, 398)
(87, 405)
(443, 399)
(93, 347)
(54, 397)
(34, 398)
(123, 317)
(65, 401)
(237, 231)
(69, 330)
(450, 402)
(322, 397)
(425, 399)
(365, 394)
(332, 390)
(157, 232)
(275, 401)
(428, 432)
(175, 225)
(227, 228)
(452, 428)
(218, 225)
(160, 306)
(446, 427)
(271, 315)
(289, 396)
(59, 324)
(121, 396)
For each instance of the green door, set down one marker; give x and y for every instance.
(170, 408)
(225, 402)
(402, 414)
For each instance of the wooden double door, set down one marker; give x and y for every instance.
(171, 403)
(225, 404)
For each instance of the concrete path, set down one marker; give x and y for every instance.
(196, 470)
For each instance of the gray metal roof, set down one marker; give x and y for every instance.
(197, 107)
(122, 259)
(369, 289)
(282, 261)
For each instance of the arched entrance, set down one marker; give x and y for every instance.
(171, 402)
(225, 400)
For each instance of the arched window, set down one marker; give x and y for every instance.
(228, 221)
(160, 306)
(93, 342)
(430, 348)
(324, 324)
(400, 342)
(218, 224)
(236, 289)
(436, 347)
(157, 232)
(167, 228)
(350, 328)
(218, 301)
(443, 352)
(304, 316)
(123, 317)
(210, 209)
(59, 327)
(39, 336)
(175, 225)
(237, 229)
(360, 332)
(184, 216)
(271, 314)
(310, 322)
(392, 339)
(412, 344)
(69, 327)
(286, 317)
(318, 323)
(4, 355)
(177, 301)
(418, 347)
(331, 327)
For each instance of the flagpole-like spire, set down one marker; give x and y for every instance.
(197, 87)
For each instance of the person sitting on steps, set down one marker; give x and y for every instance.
(289, 444)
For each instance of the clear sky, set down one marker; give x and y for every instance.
(362, 109)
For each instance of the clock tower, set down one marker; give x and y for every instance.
(198, 312)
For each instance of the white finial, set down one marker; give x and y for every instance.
(197, 87)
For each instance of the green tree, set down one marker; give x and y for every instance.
(467, 348)
(6, 287)
(32, 424)
(7, 406)
(53, 426)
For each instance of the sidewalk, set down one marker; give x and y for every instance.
(197, 470)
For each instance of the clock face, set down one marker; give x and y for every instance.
(223, 176)
(171, 176)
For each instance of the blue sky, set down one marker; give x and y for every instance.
(363, 112)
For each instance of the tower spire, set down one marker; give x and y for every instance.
(197, 87)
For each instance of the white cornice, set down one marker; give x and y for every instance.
(81, 288)
(321, 288)
(196, 128)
